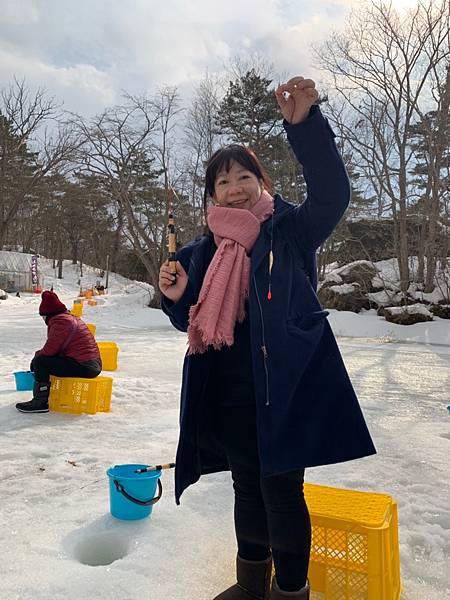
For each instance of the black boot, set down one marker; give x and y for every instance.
(253, 581)
(39, 402)
(278, 594)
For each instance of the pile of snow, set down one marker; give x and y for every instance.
(345, 288)
(388, 278)
(340, 272)
(384, 298)
(333, 276)
(411, 309)
(356, 287)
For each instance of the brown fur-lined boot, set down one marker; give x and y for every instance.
(253, 581)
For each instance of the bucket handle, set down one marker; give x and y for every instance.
(121, 490)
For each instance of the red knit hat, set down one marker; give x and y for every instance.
(51, 304)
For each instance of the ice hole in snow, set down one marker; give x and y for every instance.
(101, 549)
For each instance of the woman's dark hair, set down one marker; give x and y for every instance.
(222, 159)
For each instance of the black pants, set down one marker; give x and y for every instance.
(63, 366)
(270, 513)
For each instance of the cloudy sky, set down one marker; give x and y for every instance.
(85, 52)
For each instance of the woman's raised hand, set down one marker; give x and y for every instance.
(301, 95)
(172, 285)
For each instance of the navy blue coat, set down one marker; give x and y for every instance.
(307, 410)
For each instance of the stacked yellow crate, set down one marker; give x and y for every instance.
(108, 353)
(354, 550)
(77, 395)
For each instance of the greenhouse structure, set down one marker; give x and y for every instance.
(20, 272)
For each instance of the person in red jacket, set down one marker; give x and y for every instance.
(70, 351)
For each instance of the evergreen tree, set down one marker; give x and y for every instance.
(249, 115)
(17, 168)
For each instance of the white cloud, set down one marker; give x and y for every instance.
(83, 88)
(18, 12)
(87, 52)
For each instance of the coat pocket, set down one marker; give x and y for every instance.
(301, 324)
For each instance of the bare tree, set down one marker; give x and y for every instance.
(28, 150)
(168, 108)
(432, 133)
(239, 65)
(129, 147)
(200, 139)
(382, 66)
(148, 229)
(117, 145)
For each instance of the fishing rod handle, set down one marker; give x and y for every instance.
(156, 468)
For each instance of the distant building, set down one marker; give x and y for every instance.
(20, 272)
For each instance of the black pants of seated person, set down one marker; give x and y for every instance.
(270, 513)
(63, 366)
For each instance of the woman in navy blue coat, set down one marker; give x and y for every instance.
(271, 396)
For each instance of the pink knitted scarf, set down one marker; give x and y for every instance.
(221, 301)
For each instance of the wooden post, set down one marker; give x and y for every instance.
(107, 271)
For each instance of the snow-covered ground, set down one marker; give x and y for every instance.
(54, 514)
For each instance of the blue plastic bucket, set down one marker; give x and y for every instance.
(132, 495)
(24, 380)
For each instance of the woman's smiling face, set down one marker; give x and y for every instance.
(237, 188)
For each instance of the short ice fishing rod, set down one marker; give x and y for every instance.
(172, 239)
(156, 468)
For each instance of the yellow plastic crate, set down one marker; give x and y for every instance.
(108, 353)
(354, 550)
(77, 310)
(77, 395)
(92, 328)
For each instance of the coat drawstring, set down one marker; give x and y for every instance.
(269, 292)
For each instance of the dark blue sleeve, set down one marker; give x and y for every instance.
(178, 312)
(327, 183)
